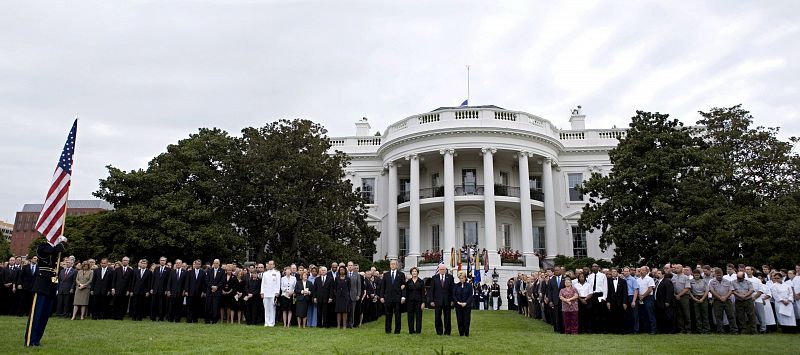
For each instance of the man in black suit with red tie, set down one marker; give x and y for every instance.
(617, 301)
(140, 289)
(158, 288)
(176, 290)
(121, 290)
(66, 283)
(195, 291)
(392, 295)
(440, 298)
(323, 296)
(554, 287)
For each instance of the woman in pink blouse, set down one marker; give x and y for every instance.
(569, 307)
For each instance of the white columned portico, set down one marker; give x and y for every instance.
(413, 219)
(490, 223)
(549, 210)
(526, 220)
(392, 210)
(449, 204)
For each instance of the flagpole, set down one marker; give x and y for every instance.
(467, 84)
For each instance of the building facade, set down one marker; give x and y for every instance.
(481, 175)
(6, 229)
(25, 221)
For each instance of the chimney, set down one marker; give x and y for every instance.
(362, 127)
(577, 120)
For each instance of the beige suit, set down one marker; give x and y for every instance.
(84, 277)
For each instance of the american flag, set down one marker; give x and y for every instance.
(51, 219)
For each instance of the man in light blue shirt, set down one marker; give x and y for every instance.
(631, 313)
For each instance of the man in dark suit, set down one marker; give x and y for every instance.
(323, 296)
(195, 292)
(176, 291)
(141, 291)
(356, 292)
(554, 301)
(102, 281)
(440, 298)
(665, 314)
(11, 303)
(617, 301)
(158, 291)
(121, 290)
(25, 279)
(6, 286)
(66, 281)
(215, 277)
(392, 294)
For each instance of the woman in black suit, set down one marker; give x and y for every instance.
(229, 285)
(342, 294)
(303, 292)
(462, 296)
(415, 294)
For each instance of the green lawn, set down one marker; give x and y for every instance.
(499, 332)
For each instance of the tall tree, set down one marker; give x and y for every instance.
(635, 206)
(177, 205)
(755, 176)
(290, 197)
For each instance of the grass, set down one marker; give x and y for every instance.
(500, 332)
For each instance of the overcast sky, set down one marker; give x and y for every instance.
(142, 75)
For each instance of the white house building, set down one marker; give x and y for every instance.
(484, 175)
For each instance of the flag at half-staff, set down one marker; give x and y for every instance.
(54, 210)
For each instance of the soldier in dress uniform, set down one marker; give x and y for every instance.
(44, 290)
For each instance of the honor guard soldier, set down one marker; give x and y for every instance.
(44, 290)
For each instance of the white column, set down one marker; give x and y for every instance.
(449, 204)
(392, 211)
(526, 221)
(490, 224)
(549, 210)
(413, 219)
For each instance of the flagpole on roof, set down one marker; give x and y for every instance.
(467, 84)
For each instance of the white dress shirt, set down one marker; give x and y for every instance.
(601, 286)
(645, 283)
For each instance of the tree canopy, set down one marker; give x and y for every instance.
(275, 193)
(720, 192)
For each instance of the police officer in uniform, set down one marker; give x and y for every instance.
(44, 290)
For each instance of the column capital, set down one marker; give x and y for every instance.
(524, 153)
(450, 151)
(388, 165)
(413, 157)
(488, 150)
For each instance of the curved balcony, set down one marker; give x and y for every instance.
(469, 190)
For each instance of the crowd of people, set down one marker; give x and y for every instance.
(342, 296)
(674, 299)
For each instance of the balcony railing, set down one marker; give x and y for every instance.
(468, 190)
(505, 190)
(429, 192)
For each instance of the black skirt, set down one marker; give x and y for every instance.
(302, 309)
(286, 303)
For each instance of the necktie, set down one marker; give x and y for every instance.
(196, 273)
(179, 274)
(442, 278)
(141, 273)
(103, 273)
(392, 276)
(33, 269)
(594, 286)
(215, 273)
(323, 280)
(558, 281)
